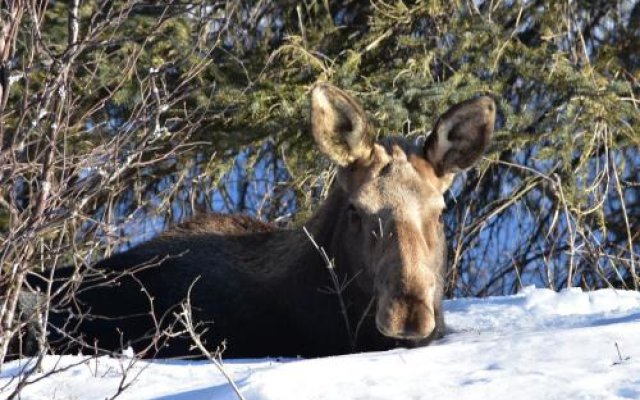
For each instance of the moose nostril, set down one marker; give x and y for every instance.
(408, 334)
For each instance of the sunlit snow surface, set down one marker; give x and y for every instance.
(535, 345)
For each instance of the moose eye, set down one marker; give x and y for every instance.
(353, 214)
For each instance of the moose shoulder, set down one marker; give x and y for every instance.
(267, 291)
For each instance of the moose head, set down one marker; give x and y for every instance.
(389, 228)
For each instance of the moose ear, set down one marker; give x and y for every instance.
(461, 135)
(339, 125)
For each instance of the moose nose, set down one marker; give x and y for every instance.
(405, 318)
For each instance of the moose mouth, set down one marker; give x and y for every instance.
(406, 319)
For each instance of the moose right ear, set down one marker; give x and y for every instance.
(339, 125)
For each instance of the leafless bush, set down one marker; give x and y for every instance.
(569, 229)
(91, 128)
(337, 288)
(185, 317)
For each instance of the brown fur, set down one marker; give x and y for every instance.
(265, 289)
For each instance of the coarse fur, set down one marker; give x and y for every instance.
(268, 292)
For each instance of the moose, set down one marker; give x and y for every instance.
(264, 291)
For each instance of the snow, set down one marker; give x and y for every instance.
(537, 344)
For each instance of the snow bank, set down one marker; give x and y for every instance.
(535, 345)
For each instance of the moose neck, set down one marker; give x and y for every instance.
(320, 230)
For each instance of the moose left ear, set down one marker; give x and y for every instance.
(461, 135)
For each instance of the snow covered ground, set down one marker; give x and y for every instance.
(535, 345)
